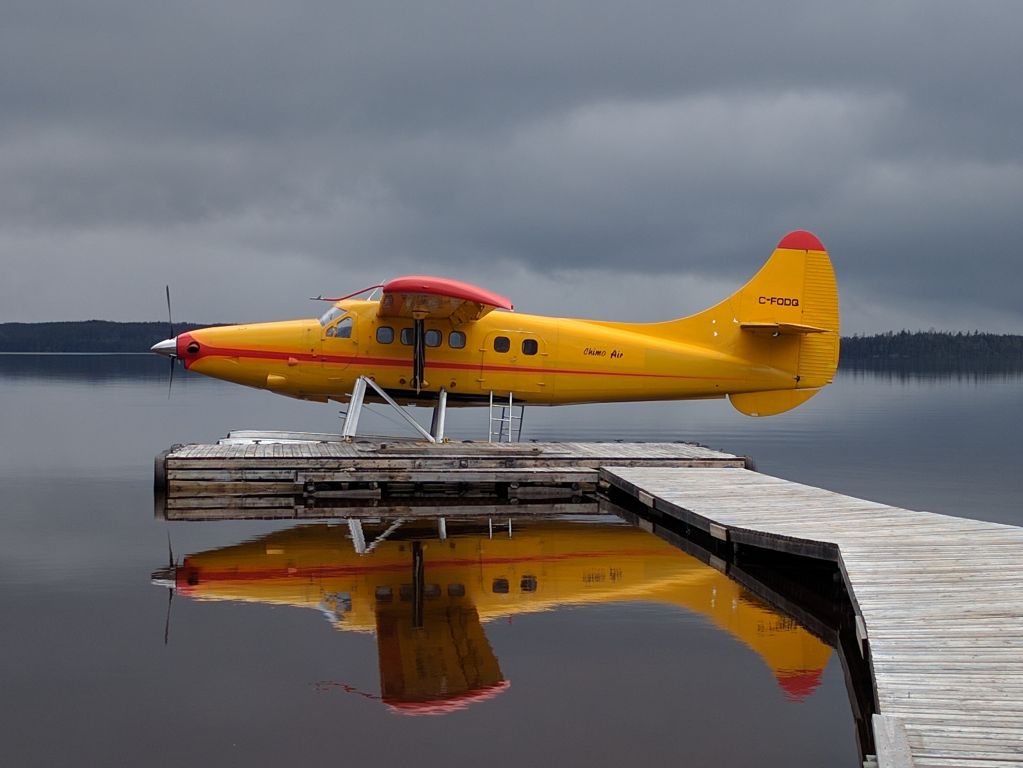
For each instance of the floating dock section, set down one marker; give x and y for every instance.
(303, 475)
(938, 601)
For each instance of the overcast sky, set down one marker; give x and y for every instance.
(630, 160)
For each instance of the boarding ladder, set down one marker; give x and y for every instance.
(505, 425)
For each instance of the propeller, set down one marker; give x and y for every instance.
(171, 565)
(167, 578)
(171, 358)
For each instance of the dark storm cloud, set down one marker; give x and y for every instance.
(280, 139)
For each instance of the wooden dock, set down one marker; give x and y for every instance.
(302, 475)
(938, 601)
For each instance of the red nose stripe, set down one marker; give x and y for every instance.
(184, 339)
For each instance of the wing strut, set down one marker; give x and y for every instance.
(418, 353)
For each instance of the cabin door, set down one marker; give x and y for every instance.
(514, 361)
(339, 345)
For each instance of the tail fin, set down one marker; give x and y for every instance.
(785, 319)
(788, 318)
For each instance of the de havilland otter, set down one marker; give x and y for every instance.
(428, 600)
(768, 348)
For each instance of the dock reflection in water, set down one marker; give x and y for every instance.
(426, 589)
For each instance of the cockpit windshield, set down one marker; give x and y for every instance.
(331, 315)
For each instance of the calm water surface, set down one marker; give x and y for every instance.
(569, 643)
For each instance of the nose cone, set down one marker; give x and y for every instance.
(167, 347)
(165, 577)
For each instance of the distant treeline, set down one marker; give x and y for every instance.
(85, 336)
(934, 351)
(905, 350)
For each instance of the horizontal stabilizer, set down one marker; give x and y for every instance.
(785, 329)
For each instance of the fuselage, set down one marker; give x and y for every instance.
(541, 360)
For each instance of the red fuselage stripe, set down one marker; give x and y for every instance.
(327, 571)
(305, 357)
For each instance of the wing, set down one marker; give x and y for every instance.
(422, 297)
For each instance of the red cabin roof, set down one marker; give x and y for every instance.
(448, 704)
(443, 286)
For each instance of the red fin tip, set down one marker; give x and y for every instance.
(801, 240)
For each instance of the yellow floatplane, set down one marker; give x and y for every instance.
(429, 341)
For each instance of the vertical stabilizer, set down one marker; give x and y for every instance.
(789, 312)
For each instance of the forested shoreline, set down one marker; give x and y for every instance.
(934, 351)
(86, 336)
(899, 350)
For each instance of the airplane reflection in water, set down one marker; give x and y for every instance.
(426, 598)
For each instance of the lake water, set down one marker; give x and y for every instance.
(567, 643)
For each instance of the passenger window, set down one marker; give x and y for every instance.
(406, 337)
(385, 334)
(500, 586)
(528, 584)
(456, 340)
(432, 338)
(529, 346)
(502, 344)
(456, 590)
(344, 601)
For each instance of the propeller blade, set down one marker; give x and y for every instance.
(170, 320)
(170, 325)
(166, 623)
(170, 552)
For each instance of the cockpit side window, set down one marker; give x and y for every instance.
(331, 315)
(342, 329)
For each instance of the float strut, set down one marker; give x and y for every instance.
(351, 424)
(358, 537)
(439, 414)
